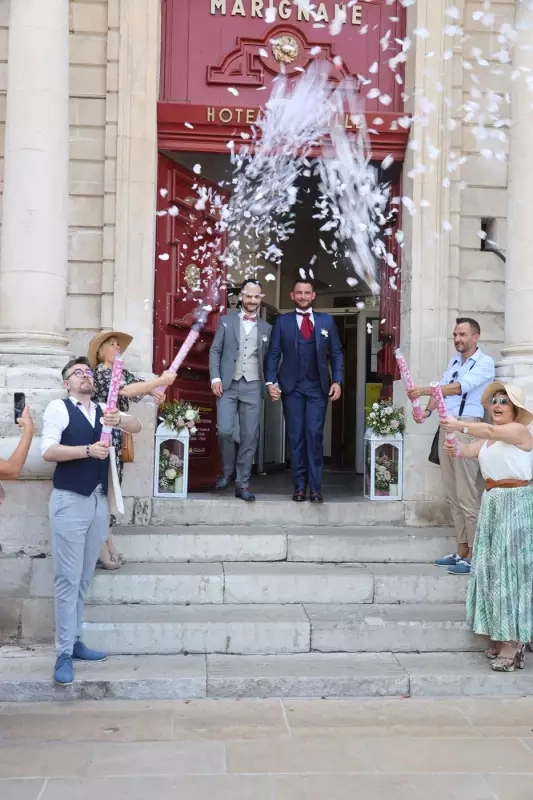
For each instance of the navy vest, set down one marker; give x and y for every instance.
(84, 474)
(307, 359)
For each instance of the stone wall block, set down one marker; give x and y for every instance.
(15, 572)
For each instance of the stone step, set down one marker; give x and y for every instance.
(409, 627)
(26, 676)
(277, 629)
(257, 543)
(241, 629)
(276, 582)
(207, 509)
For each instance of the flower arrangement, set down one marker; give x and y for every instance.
(170, 468)
(178, 415)
(386, 472)
(385, 419)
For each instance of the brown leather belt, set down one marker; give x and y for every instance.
(506, 483)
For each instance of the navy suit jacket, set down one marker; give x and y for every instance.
(284, 343)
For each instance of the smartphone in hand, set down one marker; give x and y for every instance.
(19, 403)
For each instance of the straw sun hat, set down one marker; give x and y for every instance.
(124, 340)
(515, 395)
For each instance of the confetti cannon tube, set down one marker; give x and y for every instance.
(408, 383)
(182, 354)
(112, 397)
(436, 391)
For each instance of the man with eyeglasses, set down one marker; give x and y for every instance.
(79, 511)
(236, 367)
(463, 383)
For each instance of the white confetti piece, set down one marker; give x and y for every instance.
(188, 125)
(314, 51)
(197, 169)
(232, 90)
(270, 14)
(163, 257)
(173, 211)
(163, 192)
(270, 277)
(263, 53)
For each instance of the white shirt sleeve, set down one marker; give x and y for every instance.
(55, 420)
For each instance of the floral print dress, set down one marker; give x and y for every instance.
(102, 382)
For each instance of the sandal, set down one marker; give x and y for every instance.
(491, 653)
(509, 663)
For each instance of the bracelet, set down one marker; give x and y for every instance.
(88, 450)
(429, 410)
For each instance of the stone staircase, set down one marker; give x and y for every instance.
(246, 608)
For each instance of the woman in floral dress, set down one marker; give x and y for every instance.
(500, 590)
(102, 351)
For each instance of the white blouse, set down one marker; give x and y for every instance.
(501, 461)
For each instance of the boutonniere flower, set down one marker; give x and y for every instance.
(224, 324)
(324, 332)
(264, 338)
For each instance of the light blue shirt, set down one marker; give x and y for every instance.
(474, 375)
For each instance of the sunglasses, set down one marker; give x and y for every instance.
(501, 401)
(80, 373)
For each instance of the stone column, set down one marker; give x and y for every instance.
(34, 249)
(33, 268)
(133, 289)
(426, 267)
(517, 363)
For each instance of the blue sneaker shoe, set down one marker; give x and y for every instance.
(63, 672)
(447, 561)
(82, 653)
(463, 567)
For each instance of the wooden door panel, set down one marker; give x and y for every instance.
(190, 270)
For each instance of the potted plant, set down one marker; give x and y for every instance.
(178, 423)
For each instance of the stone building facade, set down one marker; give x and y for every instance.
(79, 155)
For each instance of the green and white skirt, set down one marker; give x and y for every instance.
(500, 590)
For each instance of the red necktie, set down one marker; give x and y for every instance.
(307, 327)
(246, 318)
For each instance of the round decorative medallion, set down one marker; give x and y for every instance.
(192, 277)
(286, 49)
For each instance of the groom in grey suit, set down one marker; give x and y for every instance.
(236, 368)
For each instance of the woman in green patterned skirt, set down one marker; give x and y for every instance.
(500, 590)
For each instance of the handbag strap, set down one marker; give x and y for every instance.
(463, 399)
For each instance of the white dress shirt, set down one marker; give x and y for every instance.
(248, 327)
(301, 314)
(474, 375)
(56, 419)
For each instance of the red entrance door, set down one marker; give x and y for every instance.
(187, 271)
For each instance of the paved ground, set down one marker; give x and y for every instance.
(471, 749)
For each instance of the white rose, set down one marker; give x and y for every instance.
(375, 406)
(394, 424)
(192, 431)
(170, 474)
(371, 415)
(190, 414)
(389, 410)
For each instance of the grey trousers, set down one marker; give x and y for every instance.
(242, 402)
(79, 528)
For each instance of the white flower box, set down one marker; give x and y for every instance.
(171, 456)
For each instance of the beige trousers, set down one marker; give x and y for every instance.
(463, 487)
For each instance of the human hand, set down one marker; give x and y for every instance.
(335, 391)
(450, 449)
(159, 397)
(451, 425)
(26, 421)
(99, 450)
(274, 391)
(217, 388)
(167, 378)
(416, 393)
(420, 420)
(112, 418)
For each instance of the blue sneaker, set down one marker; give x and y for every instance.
(463, 567)
(63, 672)
(447, 561)
(82, 653)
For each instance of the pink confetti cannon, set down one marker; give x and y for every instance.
(183, 352)
(408, 383)
(436, 391)
(112, 397)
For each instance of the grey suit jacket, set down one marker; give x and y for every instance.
(225, 348)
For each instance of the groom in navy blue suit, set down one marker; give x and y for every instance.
(306, 340)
